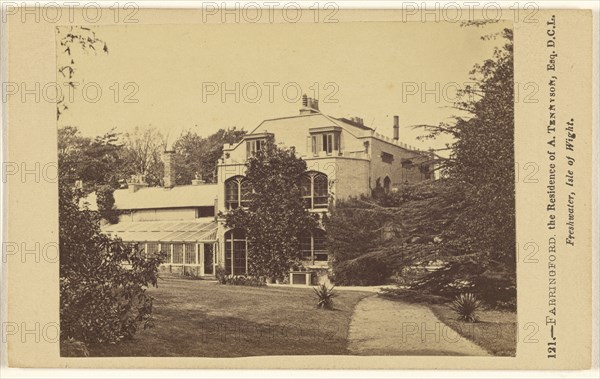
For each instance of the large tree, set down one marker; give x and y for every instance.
(196, 157)
(142, 154)
(482, 161)
(276, 216)
(95, 161)
(466, 220)
(372, 238)
(102, 280)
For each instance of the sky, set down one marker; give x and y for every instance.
(172, 77)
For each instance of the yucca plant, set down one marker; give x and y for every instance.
(324, 296)
(466, 306)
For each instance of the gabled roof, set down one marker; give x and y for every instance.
(314, 120)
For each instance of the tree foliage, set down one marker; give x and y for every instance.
(102, 280)
(74, 39)
(142, 154)
(276, 216)
(372, 238)
(467, 220)
(105, 201)
(95, 161)
(196, 157)
(482, 163)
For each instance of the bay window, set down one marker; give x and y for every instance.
(325, 140)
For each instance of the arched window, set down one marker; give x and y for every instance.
(237, 192)
(315, 190)
(236, 252)
(313, 246)
(387, 184)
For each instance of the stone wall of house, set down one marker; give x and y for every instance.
(348, 176)
(398, 174)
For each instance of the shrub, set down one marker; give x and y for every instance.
(220, 275)
(324, 296)
(243, 280)
(491, 284)
(103, 281)
(466, 306)
(362, 271)
(106, 204)
(73, 348)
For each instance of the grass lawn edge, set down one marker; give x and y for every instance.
(499, 338)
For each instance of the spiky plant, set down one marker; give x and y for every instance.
(324, 296)
(466, 306)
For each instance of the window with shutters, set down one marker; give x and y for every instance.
(328, 143)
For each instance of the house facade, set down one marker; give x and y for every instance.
(344, 158)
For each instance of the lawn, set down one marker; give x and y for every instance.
(194, 318)
(496, 331)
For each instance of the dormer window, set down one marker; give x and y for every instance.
(256, 142)
(253, 146)
(325, 140)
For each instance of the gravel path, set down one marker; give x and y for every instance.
(386, 327)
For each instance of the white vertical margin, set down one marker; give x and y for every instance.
(595, 190)
(3, 186)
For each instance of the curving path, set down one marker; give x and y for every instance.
(386, 327)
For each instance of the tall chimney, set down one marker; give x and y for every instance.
(309, 105)
(396, 128)
(169, 174)
(315, 104)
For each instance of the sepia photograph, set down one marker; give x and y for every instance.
(239, 189)
(254, 190)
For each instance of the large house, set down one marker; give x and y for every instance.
(344, 157)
